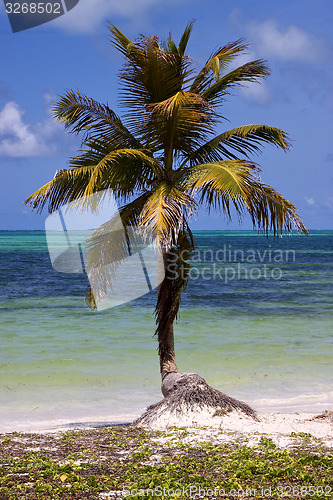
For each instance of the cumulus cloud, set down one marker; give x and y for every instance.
(288, 44)
(20, 139)
(260, 93)
(310, 201)
(89, 14)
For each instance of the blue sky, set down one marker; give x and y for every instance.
(295, 37)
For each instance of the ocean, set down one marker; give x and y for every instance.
(255, 322)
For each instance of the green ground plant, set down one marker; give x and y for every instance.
(92, 464)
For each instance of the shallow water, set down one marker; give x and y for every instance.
(256, 322)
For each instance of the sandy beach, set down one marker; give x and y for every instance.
(230, 456)
(204, 426)
(280, 427)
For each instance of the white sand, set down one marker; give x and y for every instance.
(282, 428)
(201, 425)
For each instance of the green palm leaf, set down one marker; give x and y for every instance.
(217, 63)
(67, 185)
(83, 114)
(234, 182)
(165, 212)
(240, 141)
(185, 38)
(249, 72)
(183, 121)
(124, 171)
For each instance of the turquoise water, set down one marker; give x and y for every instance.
(256, 322)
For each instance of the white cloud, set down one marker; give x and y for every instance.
(20, 139)
(87, 15)
(260, 93)
(289, 44)
(310, 201)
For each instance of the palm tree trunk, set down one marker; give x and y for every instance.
(182, 391)
(166, 350)
(166, 311)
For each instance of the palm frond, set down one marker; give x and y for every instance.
(83, 114)
(165, 212)
(114, 240)
(185, 38)
(123, 171)
(106, 248)
(234, 182)
(112, 243)
(240, 141)
(119, 40)
(220, 183)
(269, 211)
(216, 64)
(171, 47)
(183, 121)
(249, 72)
(66, 186)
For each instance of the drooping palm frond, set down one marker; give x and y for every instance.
(270, 211)
(83, 114)
(239, 141)
(105, 250)
(234, 182)
(220, 184)
(66, 186)
(113, 241)
(123, 171)
(165, 211)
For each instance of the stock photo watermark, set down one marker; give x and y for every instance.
(123, 264)
(88, 236)
(228, 264)
(285, 491)
(26, 14)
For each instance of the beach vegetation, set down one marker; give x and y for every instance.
(42, 466)
(167, 156)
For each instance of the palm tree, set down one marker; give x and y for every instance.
(163, 160)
